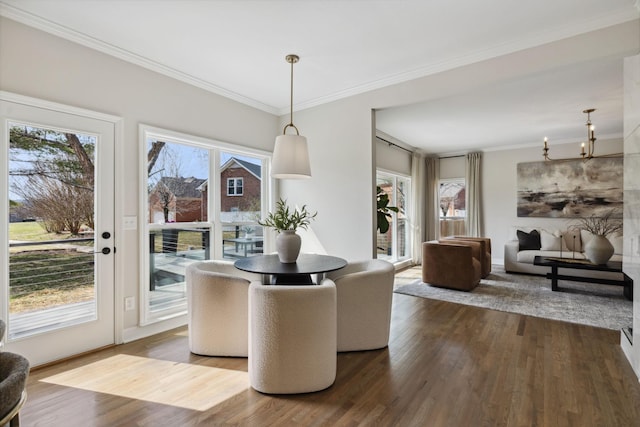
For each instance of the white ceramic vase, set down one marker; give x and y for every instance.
(598, 250)
(288, 246)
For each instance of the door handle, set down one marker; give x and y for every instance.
(105, 251)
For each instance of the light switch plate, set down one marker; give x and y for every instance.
(130, 222)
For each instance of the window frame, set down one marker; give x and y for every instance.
(235, 186)
(442, 217)
(213, 223)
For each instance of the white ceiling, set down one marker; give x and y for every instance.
(237, 47)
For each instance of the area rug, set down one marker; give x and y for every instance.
(590, 304)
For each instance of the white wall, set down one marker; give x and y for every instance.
(342, 185)
(499, 190)
(631, 260)
(39, 65)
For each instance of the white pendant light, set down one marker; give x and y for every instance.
(290, 154)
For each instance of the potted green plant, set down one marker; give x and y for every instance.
(383, 210)
(286, 221)
(598, 248)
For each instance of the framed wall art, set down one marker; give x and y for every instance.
(572, 188)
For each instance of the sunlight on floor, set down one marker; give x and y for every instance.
(159, 381)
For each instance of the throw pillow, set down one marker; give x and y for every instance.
(572, 240)
(528, 241)
(552, 241)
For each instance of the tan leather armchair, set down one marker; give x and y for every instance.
(485, 259)
(452, 264)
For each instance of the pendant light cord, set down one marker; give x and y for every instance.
(291, 59)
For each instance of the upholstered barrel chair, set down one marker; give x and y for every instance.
(364, 295)
(451, 264)
(14, 371)
(292, 331)
(217, 301)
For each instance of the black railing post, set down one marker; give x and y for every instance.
(152, 261)
(206, 245)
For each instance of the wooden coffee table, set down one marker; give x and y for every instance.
(611, 266)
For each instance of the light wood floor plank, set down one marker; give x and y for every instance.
(446, 365)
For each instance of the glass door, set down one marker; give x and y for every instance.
(393, 243)
(58, 266)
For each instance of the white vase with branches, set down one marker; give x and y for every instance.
(599, 249)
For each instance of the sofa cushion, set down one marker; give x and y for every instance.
(528, 241)
(528, 256)
(552, 241)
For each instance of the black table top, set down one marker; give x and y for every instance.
(306, 264)
(615, 266)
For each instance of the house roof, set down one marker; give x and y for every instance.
(253, 168)
(183, 187)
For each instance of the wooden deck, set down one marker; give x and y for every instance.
(34, 322)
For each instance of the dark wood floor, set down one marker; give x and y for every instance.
(446, 365)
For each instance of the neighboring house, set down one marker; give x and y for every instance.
(176, 199)
(240, 186)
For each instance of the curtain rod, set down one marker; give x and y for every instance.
(395, 145)
(452, 157)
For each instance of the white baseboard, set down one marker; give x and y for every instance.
(138, 332)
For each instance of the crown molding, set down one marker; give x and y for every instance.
(538, 39)
(82, 39)
(501, 49)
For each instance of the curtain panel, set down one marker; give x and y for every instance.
(473, 196)
(419, 197)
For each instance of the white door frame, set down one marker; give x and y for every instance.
(118, 315)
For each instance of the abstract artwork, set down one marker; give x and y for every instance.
(570, 188)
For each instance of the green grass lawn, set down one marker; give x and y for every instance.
(33, 232)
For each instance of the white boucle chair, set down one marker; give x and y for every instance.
(217, 301)
(364, 295)
(292, 337)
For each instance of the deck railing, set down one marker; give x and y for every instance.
(44, 278)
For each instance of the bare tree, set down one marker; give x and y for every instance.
(54, 175)
(61, 206)
(165, 179)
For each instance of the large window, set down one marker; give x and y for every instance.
(202, 202)
(452, 207)
(395, 244)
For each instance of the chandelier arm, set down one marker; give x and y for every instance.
(590, 151)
